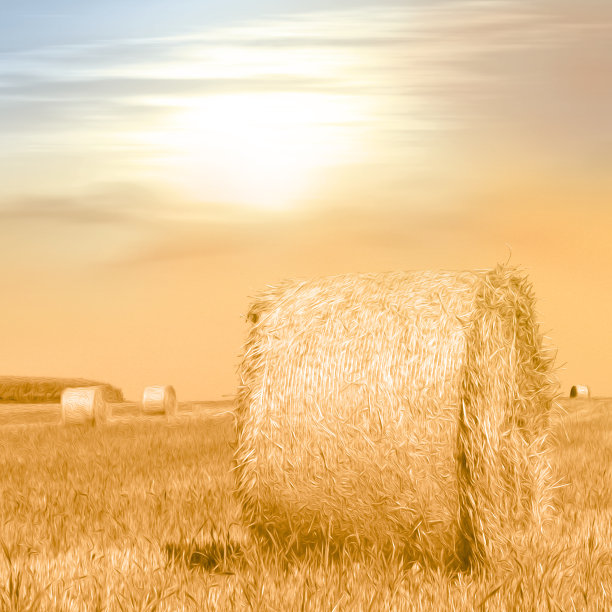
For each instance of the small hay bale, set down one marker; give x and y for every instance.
(580, 392)
(395, 410)
(84, 405)
(159, 399)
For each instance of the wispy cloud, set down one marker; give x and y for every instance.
(106, 203)
(461, 58)
(130, 88)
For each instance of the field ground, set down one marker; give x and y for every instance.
(139, 515)
(50, 414)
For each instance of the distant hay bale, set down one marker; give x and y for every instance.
(84, 405)
(160, 399)
(580, 392)
(395, 410)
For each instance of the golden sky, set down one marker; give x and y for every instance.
(152, 178)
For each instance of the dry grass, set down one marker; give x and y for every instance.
(124, 412)
(401, 411)
(30, 389)
(141, 516)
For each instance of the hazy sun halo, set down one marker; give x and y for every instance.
(258, 149)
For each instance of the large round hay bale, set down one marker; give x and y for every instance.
(580, 392)
(159, 399)
(84, 405)
(395, 410)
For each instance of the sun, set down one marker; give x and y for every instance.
(258, 149)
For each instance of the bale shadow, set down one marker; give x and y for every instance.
(286, 549)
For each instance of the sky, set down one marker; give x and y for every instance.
(162, 162)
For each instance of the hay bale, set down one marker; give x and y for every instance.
(84, 405)
(580, 392)
(160, 399)
(395, 410)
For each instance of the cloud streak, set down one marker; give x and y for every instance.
(460, 58)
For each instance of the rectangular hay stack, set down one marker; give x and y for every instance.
(395, 410)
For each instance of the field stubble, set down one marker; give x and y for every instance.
(139, 515)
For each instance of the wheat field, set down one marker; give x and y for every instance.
(140, 515)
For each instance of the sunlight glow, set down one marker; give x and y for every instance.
(260, 149)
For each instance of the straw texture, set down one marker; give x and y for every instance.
(160, 399)
(84, 405)
(395, 410)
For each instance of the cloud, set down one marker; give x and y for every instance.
(125, 88)
(108, 204)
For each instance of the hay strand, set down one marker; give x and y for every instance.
(395, 410)
(84, 405)
(159, 399)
